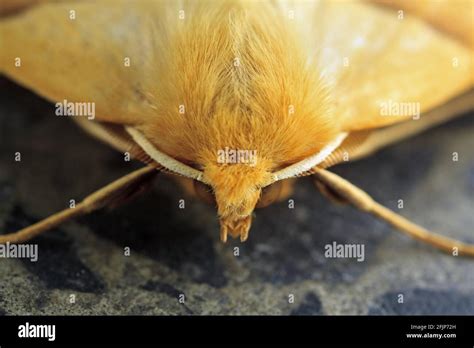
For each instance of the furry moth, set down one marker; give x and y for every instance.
(238, 97)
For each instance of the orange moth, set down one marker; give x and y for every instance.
(239, 97)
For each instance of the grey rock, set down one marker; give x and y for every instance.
(421, 301)
(311, 306)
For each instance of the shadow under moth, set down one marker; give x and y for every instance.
(238, 98)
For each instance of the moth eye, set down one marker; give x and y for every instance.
(204, 192)
(269, 195)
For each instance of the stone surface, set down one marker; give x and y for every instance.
(177, 251)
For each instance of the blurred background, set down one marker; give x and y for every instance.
(177, 251)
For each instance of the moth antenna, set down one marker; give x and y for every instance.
(105, 196)
(162, 158)
(363, 201)
(303, 166)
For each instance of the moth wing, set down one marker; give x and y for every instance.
(383, 69)
(451, 16)
(360, 144)
(96, 52)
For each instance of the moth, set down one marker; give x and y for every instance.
(239, 97)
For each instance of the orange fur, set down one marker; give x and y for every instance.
(239, 107)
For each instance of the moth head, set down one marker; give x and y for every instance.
(237, 189)
(235, 179)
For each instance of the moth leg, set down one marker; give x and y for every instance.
(363, 201)
(116, 191)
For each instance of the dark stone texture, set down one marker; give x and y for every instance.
(178, 250)
(421, 301)
(58, 265)
(311, 306)
(286, 248)
(152, 227)
(168, 289)
(470, 178)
